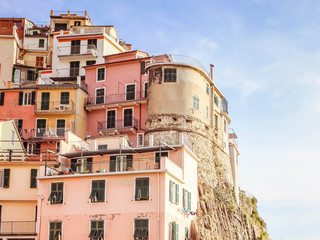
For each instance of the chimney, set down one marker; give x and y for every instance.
(68, 13)
(212, 72)
(51, 14)
(129, 46)
(85, 13)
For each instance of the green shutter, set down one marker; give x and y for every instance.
(177, 231)
(177, 193)
(189, 200)
(184, 199)
(20, 98)
(6, 178)
(33, 178)
(33, 98)
(173, 231)
(171, 191)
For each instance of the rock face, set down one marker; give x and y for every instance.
(219, 215)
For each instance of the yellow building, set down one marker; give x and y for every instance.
(18, 186)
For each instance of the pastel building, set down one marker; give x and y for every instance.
(18, 187)
(117, 96)
(126, 193)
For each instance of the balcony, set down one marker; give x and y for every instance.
(15, 228)
(118, 126)
(54, 107)
(77, 52)
(28, 133)
(116, 100)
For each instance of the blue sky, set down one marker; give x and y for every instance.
(267, 56)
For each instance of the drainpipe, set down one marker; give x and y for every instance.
(158, 230)
(39, 218)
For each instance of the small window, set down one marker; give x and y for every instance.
(195, 102)
(141, 229)
(170, 75)
(130, 92)
(75, 46)
(163, 154)
(92, 43)
(39, 62)
(41, 43)
(100, 95)
(60, 26)
(74, 69)
(2, 99)
(4, 178)
(100, 74)
(102, 146)
(143, 67)
(56, 195)
(174, 231)
(142, 189)
(145, 89)
(186, 200)
(216, 121)
(207, 88)
(33, 178)
(174, 192)
(64, 98)
(30, 75)
(77, 23)
(19, 124)
(90, 63)
(97, 230)
(55, 230)
(140, 139)
(97, 191)
(27, 98)
(216, 100)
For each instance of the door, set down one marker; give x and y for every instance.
(130, 92)
(128, 118)
(61, 127)
(45, 101)
(75, 47)
(41, 127)
(111, 119)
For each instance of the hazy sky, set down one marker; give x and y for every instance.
(267, 64)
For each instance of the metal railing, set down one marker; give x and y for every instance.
(18, 227)
(233, 138)
(178, 59)
(55, 106)
(75, 50)
(43, 132)
(115, 98)
(111, 123)
(120, 164)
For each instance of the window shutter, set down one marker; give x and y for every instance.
(177, 231)
(20, 98)
(129, 161)
(2, 99)
(171, 191)
(177, 193)
(6, 178)
(143, 67)
(189, 200)
(33, 98)
(33, 178)
(173, 228)
(112, 164)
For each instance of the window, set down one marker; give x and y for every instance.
(170, 75)
(127, 117)
(41, 127)
(32, 148)
(120, 163)
(27, 98)
(64, 98)
(224, 125)
(111, 119)
(97, 191)
(195, 102)
(4, 178)
(19, 124)
(92, 43)
(163, 154)
(2, 99)
(100, 74)
(74, 69)
(56, 195)
(55, 230)
(45, 100)
(30, 75)
(140, 139)
(130, 92)
(145, 89)
(216, 100)
(77, 23)
(39, 62)
(215, 121)
(142, 189)
(61, 127)
(141, 229)
(174, 192)
(143, 67)
(186, 200)
(60, 26)
(102, 146)
(97, 230)
(81, 165)
(16, 75)
(100, 95)
(41, 43)
(33, 178)
(75, 47)
(174, 231)
(90, 63)
(207, 88)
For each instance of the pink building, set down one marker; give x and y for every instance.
(127, 193)
(117, 92)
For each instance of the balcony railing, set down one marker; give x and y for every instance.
(18, 228)
(43, 132)
(77, 50)
(54, 107)
(116, 98)
(113, 124)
